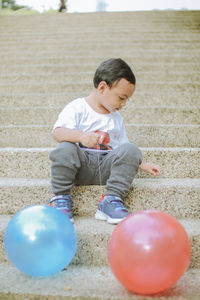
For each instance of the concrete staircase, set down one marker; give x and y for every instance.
(48, 60)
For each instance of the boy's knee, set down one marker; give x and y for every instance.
(136, 152)
(63, 150)
(131, 152)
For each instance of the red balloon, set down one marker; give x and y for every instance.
(149, 251)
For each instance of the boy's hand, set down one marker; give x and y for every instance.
(150, 168)
(89, 139)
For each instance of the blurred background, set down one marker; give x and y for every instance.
(100, 5)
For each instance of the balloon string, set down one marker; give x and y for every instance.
(100, 179)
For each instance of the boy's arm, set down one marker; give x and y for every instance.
(88, 139)
(150, 168)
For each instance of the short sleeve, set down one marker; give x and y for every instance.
(69, 116)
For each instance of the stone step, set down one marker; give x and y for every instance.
(140, 98)
(23, 57)
(143, 26)
(175, 16)
(140, 30)
(96, 60)
(149, 135)
(80, 282)
(107, 31)
(45, 77)
(138, 66)
(38, 87)
(141, 34)
(53, 51)
(35, 86)
(179, 197)
(104, 44)
(94, 234)
(131, 113)
(144, 21)
(35, 163)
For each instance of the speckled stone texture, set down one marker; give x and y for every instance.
(81, 283)
(48, 60)
(149, 135)
(94, 234)
(174, 162)
(172, 195)
(152, 115)
(140, 98)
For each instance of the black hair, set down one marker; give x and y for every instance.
(112, 70)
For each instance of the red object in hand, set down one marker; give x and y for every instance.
(103, 141)
(103, 137)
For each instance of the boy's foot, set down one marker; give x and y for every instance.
(62, 203)
(111, 209)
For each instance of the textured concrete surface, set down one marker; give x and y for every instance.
(180, 197)
(93, 236)
(149, 135)
(87, 75)
(174, 162)
(71, 87)
(140, 98)
(144, 115)
(77, 283)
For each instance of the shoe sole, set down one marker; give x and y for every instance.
(99, 215)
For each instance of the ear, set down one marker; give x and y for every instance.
(102, 86)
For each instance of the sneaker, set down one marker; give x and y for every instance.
(62, 203)
(111, 209)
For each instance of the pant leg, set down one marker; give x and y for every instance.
(69, 165)
(119, 168)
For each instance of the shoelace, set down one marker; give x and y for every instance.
(118, 204)
(64, 203)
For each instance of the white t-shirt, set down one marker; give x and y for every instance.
(78, 114)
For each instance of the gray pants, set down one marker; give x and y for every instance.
(73, 165)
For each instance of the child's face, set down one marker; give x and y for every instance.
(114, 98)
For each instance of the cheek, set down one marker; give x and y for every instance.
(112, 102)
(112, 99)
(108, 100)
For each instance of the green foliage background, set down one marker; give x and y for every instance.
(11, 5)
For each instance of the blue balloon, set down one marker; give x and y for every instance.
(40, 240)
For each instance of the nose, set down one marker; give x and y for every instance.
(123, 103)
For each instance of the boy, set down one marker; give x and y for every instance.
(81, 128)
